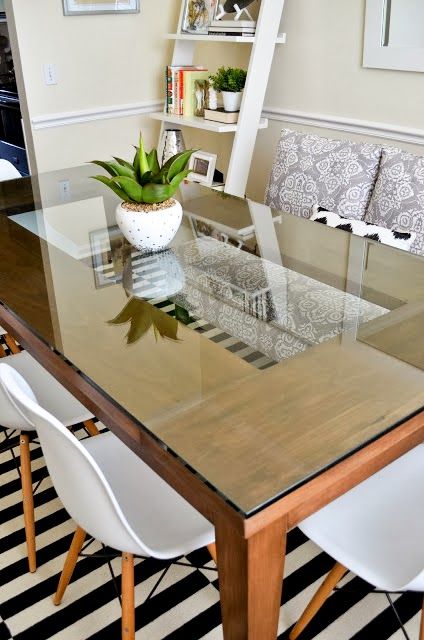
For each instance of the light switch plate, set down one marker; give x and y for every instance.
(50, 73)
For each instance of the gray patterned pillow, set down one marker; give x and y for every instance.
(337, 174)
(398, 198)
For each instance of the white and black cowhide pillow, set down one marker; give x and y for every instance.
(392, 237)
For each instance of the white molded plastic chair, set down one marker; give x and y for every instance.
(375, 530)
(58, 401)
(8, 171)
(128, 506)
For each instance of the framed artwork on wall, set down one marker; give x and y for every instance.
(83, 7)
(198, 15)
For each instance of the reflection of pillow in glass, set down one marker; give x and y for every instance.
(392, 237)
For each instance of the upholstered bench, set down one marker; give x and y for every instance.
(379, 185)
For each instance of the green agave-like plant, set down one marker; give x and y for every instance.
(141, 315)
(145, 180)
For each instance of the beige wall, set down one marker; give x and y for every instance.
(107, 61)
(319, 71)
(101, 61)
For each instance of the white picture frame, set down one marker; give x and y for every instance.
(88, 7)
(202, 167)
(377, 52)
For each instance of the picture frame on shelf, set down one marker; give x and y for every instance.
(198, 16)
(202, 167)
(87, 7)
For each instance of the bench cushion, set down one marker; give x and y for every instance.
(398, 197)
(309, 169)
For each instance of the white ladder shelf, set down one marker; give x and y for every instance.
(249, 121)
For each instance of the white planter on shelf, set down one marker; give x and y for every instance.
(152, 229)
(232, 100)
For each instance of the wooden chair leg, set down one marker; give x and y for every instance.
(28, 500)
(2, 351)
(335, 575)
(11, 343)
(212, 551)
(91, 428)
(128, 611)
(69, 566)
(422, 623)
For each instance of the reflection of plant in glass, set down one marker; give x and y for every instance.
(141, 315)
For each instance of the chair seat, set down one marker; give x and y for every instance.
(48, 391)
(377, 529)
(166, 523)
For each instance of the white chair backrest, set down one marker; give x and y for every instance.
(78, 480)
(8, 171)
(11, 415)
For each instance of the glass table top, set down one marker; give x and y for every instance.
(260, 348)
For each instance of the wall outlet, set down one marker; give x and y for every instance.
(50, 73)
(64, 189)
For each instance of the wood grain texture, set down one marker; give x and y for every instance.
(28, 500)
(69, 566)
(128, 611)
(267, 434)
(331, 581)
(250, 580)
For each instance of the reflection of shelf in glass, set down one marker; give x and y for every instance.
(201, 123)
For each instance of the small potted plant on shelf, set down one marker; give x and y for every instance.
(230, 81)
(148, 216)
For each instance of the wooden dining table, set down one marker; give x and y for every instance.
(262, 365)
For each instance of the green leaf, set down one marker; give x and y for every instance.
(107, 166)
(143, 165)
(111, 184)
(176, 180)
(127, 312)
(179, 164)
(140, 324)
(154, 193)
(166, 325)
(152, 159)
(144, 179)
(122, 170)
(131, 187)
(124, 163)
(182, 315)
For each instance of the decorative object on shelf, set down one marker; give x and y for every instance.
(220, 115)
(82, 7)
(239, 8)
(198, 15)
(212, 98)
(230, 81)
(172, 143)
(201, 88)
(148, 216)
(202, 167)
(180, 89)
(142, 315)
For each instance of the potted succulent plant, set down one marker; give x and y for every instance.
(230, 81)
(148, 216)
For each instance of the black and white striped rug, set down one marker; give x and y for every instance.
(176, 602)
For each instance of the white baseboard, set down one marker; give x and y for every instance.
(348, 125)
(89, 115)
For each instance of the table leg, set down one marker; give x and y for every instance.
(250, 580)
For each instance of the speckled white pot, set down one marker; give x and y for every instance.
(151, 230)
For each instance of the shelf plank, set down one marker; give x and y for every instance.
(201, 123)
(210, 38)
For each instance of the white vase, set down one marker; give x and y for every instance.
(150, 230)
(232, 100)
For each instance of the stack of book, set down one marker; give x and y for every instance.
(232, 28)
(181, 89)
